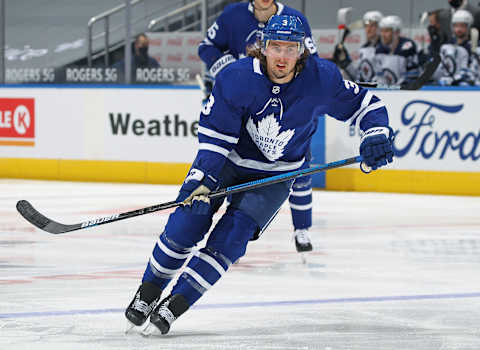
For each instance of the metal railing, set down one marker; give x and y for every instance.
(204, 14)
(180, 11)
(106, 17)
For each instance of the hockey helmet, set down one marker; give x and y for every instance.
(462, 16)
(393, 22)
(372, 16)
(284, 28)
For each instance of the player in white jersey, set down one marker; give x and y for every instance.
(396, 59)
(362, 69)
(459, 64)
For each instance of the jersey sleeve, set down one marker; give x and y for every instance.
(213, 49)
(353, 104)
(220, 124)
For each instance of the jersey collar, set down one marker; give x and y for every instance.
(280, 7)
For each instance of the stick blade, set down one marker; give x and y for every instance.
(40, 221)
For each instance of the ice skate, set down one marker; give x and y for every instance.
(302, 243)
(165, 313)
(140, 308)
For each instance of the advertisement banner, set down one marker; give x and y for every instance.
(434, 131)
(152, 125)
(17, 121)
(176, 52)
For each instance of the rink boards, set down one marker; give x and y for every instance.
(149, 134)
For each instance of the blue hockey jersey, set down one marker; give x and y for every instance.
(263, 127)
(235, 29)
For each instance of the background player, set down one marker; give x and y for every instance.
(363, 68)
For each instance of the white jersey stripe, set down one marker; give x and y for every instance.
(301, 193)
(235, 158)
(170, 252)
(214, 148)
(214, 263)
(365, 102)
(301, 207)
(197, 278)
(160, 268)
(256, 66)
(373, 106)
(212, 133)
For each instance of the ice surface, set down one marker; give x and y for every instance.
(388, 271)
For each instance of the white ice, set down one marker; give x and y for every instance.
(388, 271)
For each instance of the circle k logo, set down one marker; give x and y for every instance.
(21, 119)
(17, 118)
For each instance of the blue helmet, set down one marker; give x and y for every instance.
(284, 28)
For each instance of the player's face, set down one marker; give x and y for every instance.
(371, 30)
(281, 59)
(140, 43)
(387, 35)
(263, 4)
(460, 30)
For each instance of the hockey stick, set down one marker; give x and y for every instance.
(201, 84)
(473, 39)
(343, 30)
(42, 222)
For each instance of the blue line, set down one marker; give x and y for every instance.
(257, 304)
(436, 88)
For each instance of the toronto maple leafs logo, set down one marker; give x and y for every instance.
(268, 138)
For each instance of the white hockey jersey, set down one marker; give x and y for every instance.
(454, 66)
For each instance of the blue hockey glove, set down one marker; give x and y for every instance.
(195, 189)
(376, 147)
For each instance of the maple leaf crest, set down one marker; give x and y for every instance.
(268, 138)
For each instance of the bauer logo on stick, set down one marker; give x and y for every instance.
(100, 220)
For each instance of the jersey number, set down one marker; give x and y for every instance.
(350, 84)
(310, 44)
(212, 31)
(207, 107)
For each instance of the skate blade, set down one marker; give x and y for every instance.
(303, 258)
(150, 330)
(131, 328)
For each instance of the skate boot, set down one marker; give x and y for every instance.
(302, 241)
(146, 298)
(165, 313)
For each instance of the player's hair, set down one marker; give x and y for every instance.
(256, 51)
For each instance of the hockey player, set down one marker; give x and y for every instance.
(258, 121)
(362, 69)
(396, 60)
(458, 63)
(227, 39)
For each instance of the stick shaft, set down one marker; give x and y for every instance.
(42, 222)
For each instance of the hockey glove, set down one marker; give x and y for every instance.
(195, 189)
(376, 147)
(341, 56)
(208, 82)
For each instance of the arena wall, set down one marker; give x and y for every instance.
(148, 135)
